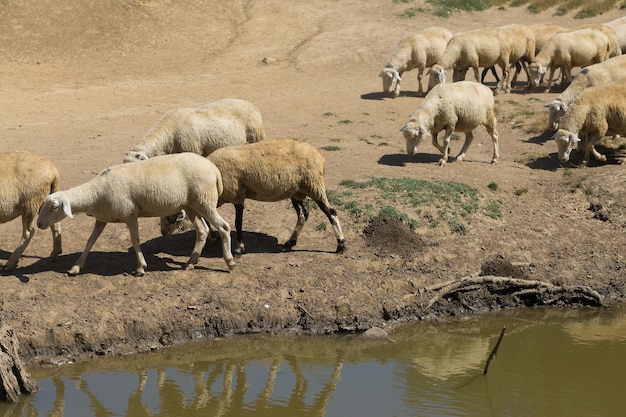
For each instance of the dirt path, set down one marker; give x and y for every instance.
(83, 83)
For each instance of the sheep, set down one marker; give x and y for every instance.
(477, 48)
(201, 129)
(25, 181)
(595, 112)
(524, 46)
(609, 31)
(419, 50)
(594, 75)
(158, 186)
(460, 106)
(620, 33)
(578, 48)
(272, 171)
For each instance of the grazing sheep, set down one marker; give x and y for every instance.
(594, 75)
(596, 112)
(609, 31)
(477, 48)
(620, 33)
(272, 171)
(523, 51)
(155, 187)
(419, 50)
(201, 129)
(25, 181)
(461, 107)
(578, 48)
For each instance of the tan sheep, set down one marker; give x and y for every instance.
(420, 50)
(201, 129)
(578, 48)
(594, 75)
(596, 112)
(461, 107)
(25, 181)
(477, 48)
(155, 187)
(273, 170)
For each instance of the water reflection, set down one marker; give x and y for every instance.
(550, 363)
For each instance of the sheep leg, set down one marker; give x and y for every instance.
(491, 129)
(591, 150)
(331, 213)
(446, 146)
(469, 137)
(420, 91)
(239, 227)
(223, 228)
(95, 233)
(133, 228)
(303, 215)
(57, 246)
(28, 230)
(436, 143)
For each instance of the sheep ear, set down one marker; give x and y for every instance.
(424, 132)
(403, 128)
(67, 209)
(442, 76)
(574, 138)
(396, 75)
(549, 104)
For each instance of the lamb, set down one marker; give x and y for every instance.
(419, 50)
(25, 181)
(155, 187)
(272, 171)
(594, 75)
(460, 106)
(578, 48)
(201, 129)
(477, 48)
(596, 112)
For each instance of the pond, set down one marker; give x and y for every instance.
(550, 363)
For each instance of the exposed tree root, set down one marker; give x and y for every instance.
(14, 380)
(545, 292)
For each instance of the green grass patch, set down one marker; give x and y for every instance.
(412, 200)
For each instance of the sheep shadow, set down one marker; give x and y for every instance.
(379, 95)
(400, 160)
(181, 244)
(543, 137)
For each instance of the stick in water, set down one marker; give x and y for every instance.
(494, 351)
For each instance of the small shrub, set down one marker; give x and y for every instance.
(345, 122)
(330, 148)
(493, 209)
(520, 191)
(493, 186)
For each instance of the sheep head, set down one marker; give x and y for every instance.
(436, 75)
(54, 209)
(556, 110)
(413, 134)
(132, 156)
(536, 71)
(169, 224)
(565, 142)
(390, 78)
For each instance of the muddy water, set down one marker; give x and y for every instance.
(550, 363)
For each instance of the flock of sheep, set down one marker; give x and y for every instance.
(195, 159)
(167, 174)
(591, 107)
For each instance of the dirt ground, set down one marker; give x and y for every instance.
(83, 81)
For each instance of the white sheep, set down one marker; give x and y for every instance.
(461, 107)
(596, 112)
(25, 181)
(273, 170)
(594, 75)
(420, 50)
(155, 187)
(201, 129)
(577, 48)
(477, 48)
(523, 52)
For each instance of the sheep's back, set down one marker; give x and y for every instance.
(468, 102)
(268, 171)
(25, 180)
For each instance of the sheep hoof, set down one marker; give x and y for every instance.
(74, 271)
(442, 162)
(231, 265)
(494, 161)
(288, 246)
(189, 267)
(341, 247)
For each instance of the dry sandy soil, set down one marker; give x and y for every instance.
(82, 82)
